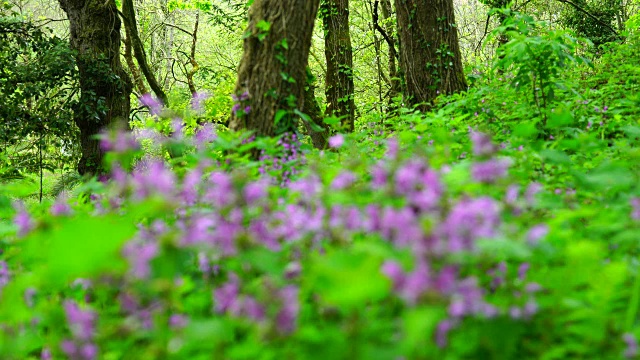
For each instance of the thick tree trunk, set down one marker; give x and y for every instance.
(272, 73)
(104, 86)
(339, 82)
(429, 50)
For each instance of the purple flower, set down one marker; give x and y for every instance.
(394, 271)
(5, 275)
(482, 145)
(177, 321)
(522, 270)
(29, 294)
(45, 354)
(512, 194)
(226, 296)
(140, 256)
(252, 309)
(155, 177)
(220, 190)
(154, 105)
(530, 308)
(536, 233)
(515, 312)
(532, 191)
(490, 170)
(23, 221)
(198, 99)
(635, 208)
(60, 207)
(81, 322)
(255, 191)
(442, 332)
(532, 288)
(293, 270)
(288, 316)
(468, 221)
(336, 141)
(247, 110)
(69, 348)
(631, 343)
(205, 134)
(89, 351)
(393, 146)
(235, 109)
(343, 180)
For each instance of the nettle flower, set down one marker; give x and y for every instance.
(482, 144)
(23, 220)
(635, 208)
(336, 141)
(82, 324)
(154, 105)
(489, 171)
(468, 221)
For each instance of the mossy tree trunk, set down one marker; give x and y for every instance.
(339, 53)
(104, 86)
(272, 73)
(429, 50)
(316, 128)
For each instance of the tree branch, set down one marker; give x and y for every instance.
(392, 46)
(129, 18)
(582, 10)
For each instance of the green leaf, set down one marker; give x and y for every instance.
(81, 247)
(349, 280)
(560, 118)
(555, 156)
(279, 115)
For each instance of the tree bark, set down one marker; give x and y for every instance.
(138, 81)
(104, 86)
(393, 68)
(138, 49)
(192, 57)
(429, 51)
(272, 73)
(339, 87)
(312, 109)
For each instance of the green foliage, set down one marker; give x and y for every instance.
(594, 26)
(570, 125)
(36, 83)
(537, 57)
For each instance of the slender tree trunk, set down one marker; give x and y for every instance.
(138, 49)
(104, 86)
(320, 134)
(394, 77)
(339, 53)
(272, 73)
(429, 50)
(192, 57)
(138, 81)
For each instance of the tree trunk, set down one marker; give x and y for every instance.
(131, 26)
(272, 73)
(320, 134)
(104, 86)
(339, 82)
(138, 81)
(393, 68)
(429, 50)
